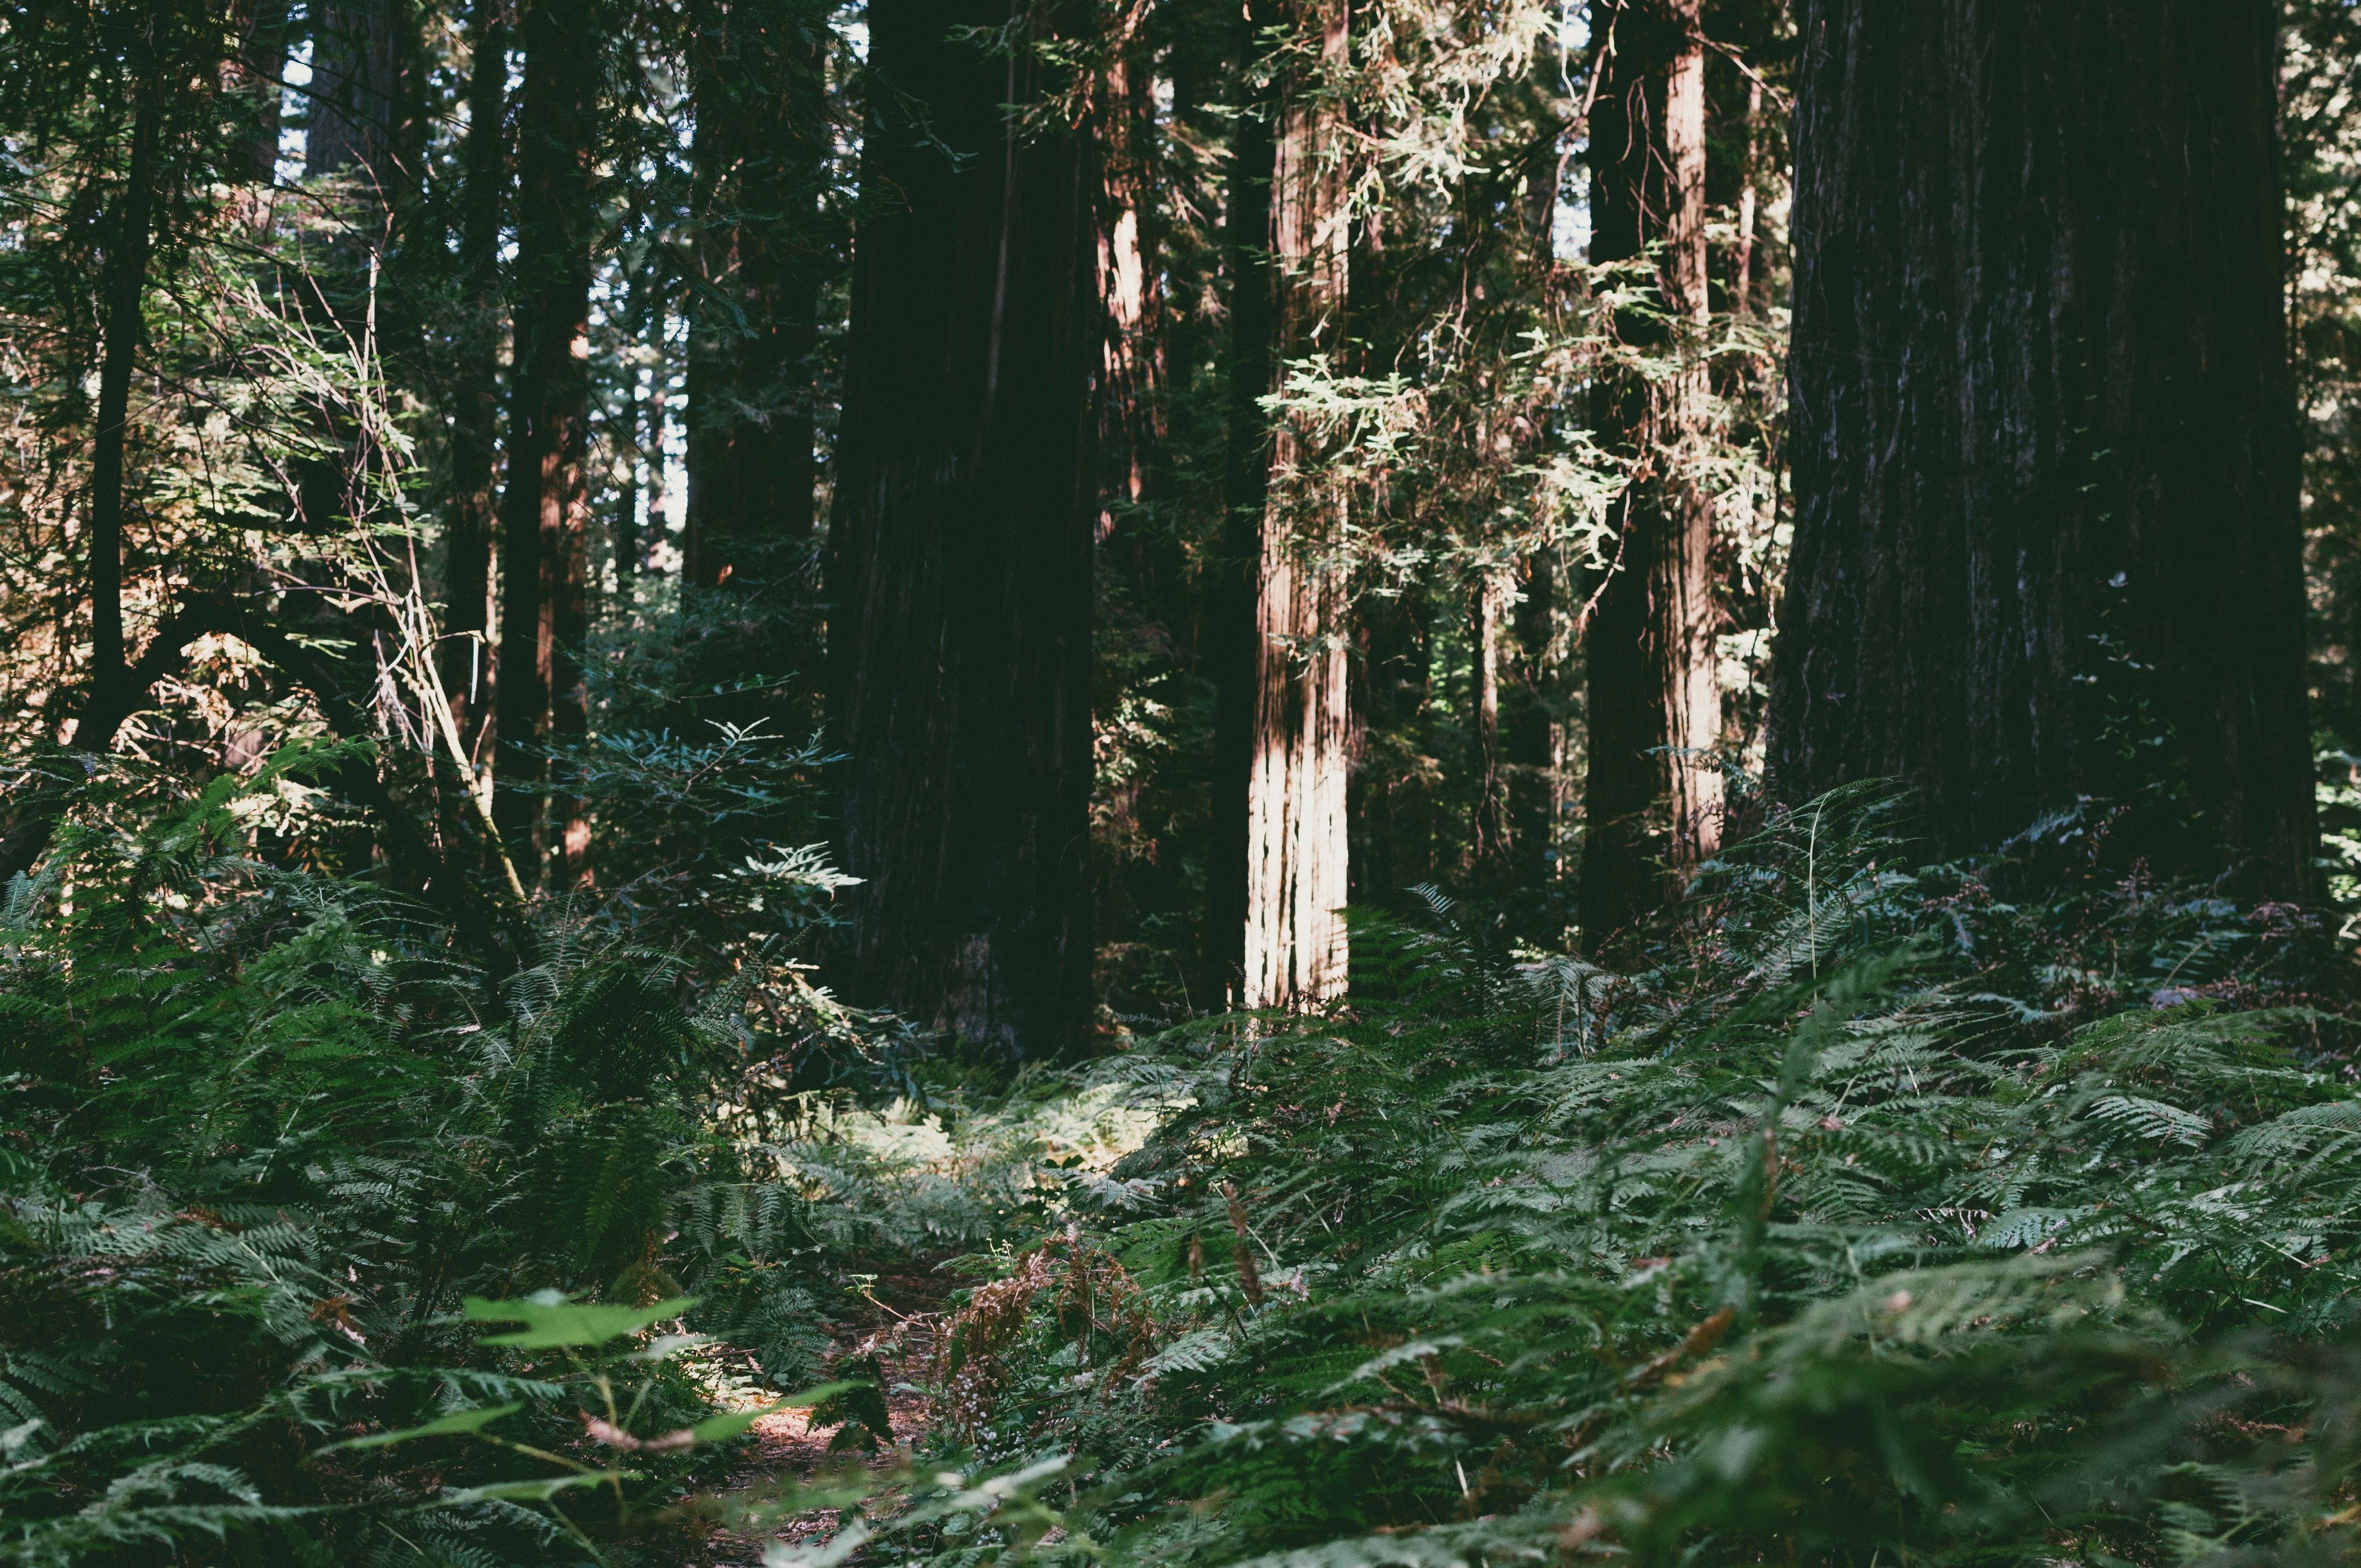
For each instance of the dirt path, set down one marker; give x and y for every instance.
(900, 1330)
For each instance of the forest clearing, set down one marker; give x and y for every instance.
(1179, 784)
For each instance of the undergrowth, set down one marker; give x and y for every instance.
(1879, 1212)
(1881, 1220)
(279, 1153)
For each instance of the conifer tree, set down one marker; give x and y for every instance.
(471, 508)
(2046, 539)
(545, 511)
(349, 128)
(757, 69)
(1284, 756)
(1652, 799)
(959, 576)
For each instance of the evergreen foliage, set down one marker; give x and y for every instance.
(1820, 1242)
(421, 1145)
(273, 1145)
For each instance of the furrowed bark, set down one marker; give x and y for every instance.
(761, 137)
(960, 546)
(354, 72)
(544, 520)
(1652, 801)
(2043, 434)
(1246, 483)
(470, 514)
(1298, 858)
(261, 66)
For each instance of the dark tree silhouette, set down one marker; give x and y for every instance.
(2044, 442)
(961, 544)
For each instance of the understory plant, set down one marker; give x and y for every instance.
(276, 1147)
(1880, 1221)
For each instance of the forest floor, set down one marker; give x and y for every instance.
(899, 1327)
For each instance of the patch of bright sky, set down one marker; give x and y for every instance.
(1570, 226)
(292, 138)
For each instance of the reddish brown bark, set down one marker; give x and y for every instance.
(546, 513)
(1652, 802)
(1298, 861)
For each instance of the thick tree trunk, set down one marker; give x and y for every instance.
(261, 69)
(125, 286)
(1489, 843)
(959, 569)
(470, 512)
(762, 135)
(1651, 802)
(2043, 431)
(1298, 859)
(1246, 488)
(546, 513)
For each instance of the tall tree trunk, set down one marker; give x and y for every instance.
(1532, 723)
(2043, 432)
(261, 69)
(546, 513)
(960, 570)
(470, 511)
(761, 137)
(1534, 728)
(1298, 860)
(1741, 262)
(1124, 119)
(1245, 487)
(125, 287)
(1652, 802)
(354, 81)
(1489, 844)
(1397, 817)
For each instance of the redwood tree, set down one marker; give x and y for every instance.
(2044, 438)
(351, 98)
(960, 542)
(1282, 741)
(1245, 483)
(470, 511)
(1652, 801)
(545, 514)
(761, 143)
